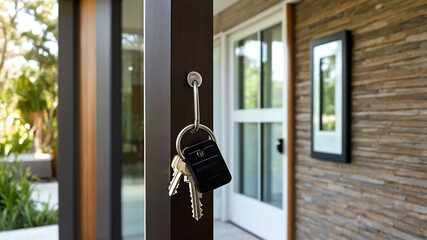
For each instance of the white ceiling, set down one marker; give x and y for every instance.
(220, 5)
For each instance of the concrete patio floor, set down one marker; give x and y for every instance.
(228, 231)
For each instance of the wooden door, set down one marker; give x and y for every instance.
(178, 40)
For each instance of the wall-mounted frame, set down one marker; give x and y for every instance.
(330, 72)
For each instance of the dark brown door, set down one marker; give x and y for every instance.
(179, 39)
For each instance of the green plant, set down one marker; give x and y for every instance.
(133, 170)
(15, 135)
(32, 101)
(17, 207)
(30, 88)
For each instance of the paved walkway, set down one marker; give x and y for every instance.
(37, 233)
(48, 192)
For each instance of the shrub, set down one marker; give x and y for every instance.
(15, 135)
(17, 208)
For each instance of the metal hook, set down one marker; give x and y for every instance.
(196, 108)
(184, 130)
(194, 79)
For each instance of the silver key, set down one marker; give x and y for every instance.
(176, 176)
(179, 169)
(196, 196)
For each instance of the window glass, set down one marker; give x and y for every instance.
(272, 67)
(247, 159)
(132, 120)
(272, 164)
(247, 69)
(258, 73)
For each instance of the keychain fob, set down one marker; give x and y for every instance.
(207, 166)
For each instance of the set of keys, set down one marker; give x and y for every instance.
(201, 165)
(180, 170)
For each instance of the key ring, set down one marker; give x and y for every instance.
(184, 130)
(194, 79)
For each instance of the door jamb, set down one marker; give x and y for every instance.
(67, 168)
(290, 145)
(108, 119)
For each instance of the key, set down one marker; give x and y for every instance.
(182, 166)
(179, 169)
(174, 163)
(176, 176)
(195, 195)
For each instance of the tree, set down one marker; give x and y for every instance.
(33, 88)
(9, 35)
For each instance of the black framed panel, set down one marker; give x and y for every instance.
(343, 58)
(67, 121)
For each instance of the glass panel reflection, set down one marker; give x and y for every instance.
(132, 120)
(272, 67)
(327, 93)
(247, 159)
(272, 164)
(247, 68)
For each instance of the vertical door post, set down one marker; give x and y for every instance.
(67, 121)
(86, 117)
(157, 118)
(290, 23)
(179, 39)
(108, 119)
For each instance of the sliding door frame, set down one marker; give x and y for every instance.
(157, 118)
(67, 121)
(108, 119)
(178, 40)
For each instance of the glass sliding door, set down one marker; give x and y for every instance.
(132, 53)
(246, 169)
(272, 180)
(258, 70)
(256, 56)
(123, 164)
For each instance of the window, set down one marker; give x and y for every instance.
(258, 115)
(132, 120)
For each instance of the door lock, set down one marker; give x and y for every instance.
(280, 145)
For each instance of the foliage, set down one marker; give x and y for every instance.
(328, 79)
(28, 104)
(30, 89)
(15, 135)
(133, 170)
(30, 95)
(9, 34)
(17, 207)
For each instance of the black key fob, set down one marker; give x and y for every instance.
(207, 166)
